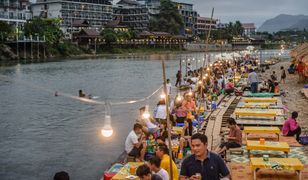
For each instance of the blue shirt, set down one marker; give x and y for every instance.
(212, 168)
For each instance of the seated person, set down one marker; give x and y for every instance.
(151, 144)
(81, 94)
(234, 137)
(291, 69)
(276, 88)
(144, 173)
(134, 143)
(189, 104)
(180, 113)
(154, 165)
(230, 87)
(291, 127)
(162, 152)
(187, 131)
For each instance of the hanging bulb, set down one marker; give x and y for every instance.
(179, 97)
(190, 92)
(146, 114)
(200, 82)
(107, 130)
(162, 96)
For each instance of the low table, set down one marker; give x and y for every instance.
(255, 113)
(261, 100)
(268, 145)
(125, 170)
(286, 163)
(261, 129)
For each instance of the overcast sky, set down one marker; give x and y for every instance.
(256, 11)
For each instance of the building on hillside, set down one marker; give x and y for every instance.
(189, 18)
(96, 12)
(249, 29)
(15, 12)
(204, 24)
(132, 14)
(221, 25)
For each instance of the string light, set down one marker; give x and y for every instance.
(200, 82)
(146, 114)
(190, 92)
(179, 97)
(162, 96)
(107, 130)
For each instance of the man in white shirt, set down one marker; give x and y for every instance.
(134, 143)
(253, 80)
(154, 165)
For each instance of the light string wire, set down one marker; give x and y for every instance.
(90, 101)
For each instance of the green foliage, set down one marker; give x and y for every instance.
(67, 49)
(50, 28)
(6, 30)
(168, 19)
(109, 35)
(232, 30)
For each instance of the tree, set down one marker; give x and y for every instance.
(5, 30)
(50, 28)
(168, 19)
(109, 35)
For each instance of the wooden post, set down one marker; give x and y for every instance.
(168, 119)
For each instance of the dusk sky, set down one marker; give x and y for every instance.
(256, 11)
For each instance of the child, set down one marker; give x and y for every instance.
(151, 143)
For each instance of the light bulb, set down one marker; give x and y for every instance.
(190, 93)
(162, 96)
(200, 82)
(107, 131)
(146, 113)
(179, 98)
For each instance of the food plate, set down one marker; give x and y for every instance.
(131, 177)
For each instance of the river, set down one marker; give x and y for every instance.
(41, 134)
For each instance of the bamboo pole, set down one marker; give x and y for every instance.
(168, 119)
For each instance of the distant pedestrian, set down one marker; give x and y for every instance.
(274, 76)
(178, 78)
(168, 87)
(61, 176)
(283, 75)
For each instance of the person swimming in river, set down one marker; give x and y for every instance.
(81, 94)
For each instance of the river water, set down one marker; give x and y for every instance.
(41, 134)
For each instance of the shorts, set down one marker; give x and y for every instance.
(230, 144)
(135, 152)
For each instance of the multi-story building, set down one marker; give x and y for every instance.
(204, 24)
(152, 5)
(15, 11)
(133, 14)
(189, 18)
(249, 29)
(221, 25)
(96, 12)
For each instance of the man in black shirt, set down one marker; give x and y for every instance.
(203, 162)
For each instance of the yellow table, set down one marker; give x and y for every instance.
(177, 129)
(261, 129)
(255, 113)
(125, 170)
(287, 163)
(252, 105)
(272, 100)
(268, 145)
